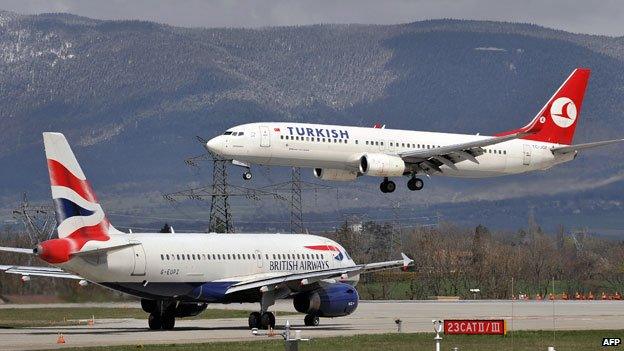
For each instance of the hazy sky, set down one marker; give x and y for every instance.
(597, 17)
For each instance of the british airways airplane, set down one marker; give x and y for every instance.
(177, 275)
(345, 153)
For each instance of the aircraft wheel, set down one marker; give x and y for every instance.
(168, 322)
(390, 186)
(267, 320)
(247, 175)
(154, 322)
(311, 320)
(254, 320)
(415, 184)
(382, 187)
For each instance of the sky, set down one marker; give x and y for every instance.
(604, 17)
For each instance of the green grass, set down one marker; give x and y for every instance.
(41, 317)
(518, 341)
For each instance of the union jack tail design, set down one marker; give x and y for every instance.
(79, 216)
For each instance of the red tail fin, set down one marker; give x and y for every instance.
(557, 120)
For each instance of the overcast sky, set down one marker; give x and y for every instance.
(581, 16)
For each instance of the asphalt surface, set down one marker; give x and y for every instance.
(371, 317)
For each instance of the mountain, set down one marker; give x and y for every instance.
(131, 96)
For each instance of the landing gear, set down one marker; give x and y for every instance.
(154, 321)
(387, 186)
(267, 320)
(247, 175)
(311, 320)
(254, 320)
(168, 322)
(162, 314)
(415, 184)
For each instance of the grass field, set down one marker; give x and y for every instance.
(41, 317)
(518, 341)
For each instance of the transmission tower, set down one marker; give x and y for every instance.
(219, 193)
(220, 215)
(39, 220)
(296, 207)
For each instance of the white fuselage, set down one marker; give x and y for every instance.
(340, 147)
(173, 264)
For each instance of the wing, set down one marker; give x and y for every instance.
(298, 281)
(430, 160)
(573, 148)
(50, 272)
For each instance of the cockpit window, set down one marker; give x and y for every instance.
(240, 133)
(227, 133)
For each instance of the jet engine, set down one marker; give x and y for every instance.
(334, 300)
(382, 165)
(334, 174)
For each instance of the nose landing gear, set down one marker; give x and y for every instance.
(247, 175)
(387, 186)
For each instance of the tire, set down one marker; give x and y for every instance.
(247, 176)
(267, 320)
(254, 320)
(382, 187)
(311, 320)
(419, 183)
(168, 322)
(154, 322)
(390, 186)
(415, 184)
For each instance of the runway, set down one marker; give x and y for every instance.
(371, 317)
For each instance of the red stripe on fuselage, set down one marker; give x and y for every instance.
(61, 176)
(322, 247)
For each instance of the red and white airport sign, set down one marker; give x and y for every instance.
(475, 326)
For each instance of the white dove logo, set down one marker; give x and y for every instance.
(563, 112)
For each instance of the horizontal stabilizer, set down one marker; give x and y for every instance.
(17, 250)
(572, 148)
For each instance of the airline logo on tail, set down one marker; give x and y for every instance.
(79, 216)
(563, 112)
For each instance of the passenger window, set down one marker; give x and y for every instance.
(183, 258)
(162, 257)
(281, 137)
(366, 142)
(273, 256)
(193, 256)
(167, 257)
(402, 144)
(356, 142)
(376, 143)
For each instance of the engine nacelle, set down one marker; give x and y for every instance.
(334, 300)
(334, 174)
(382, 165)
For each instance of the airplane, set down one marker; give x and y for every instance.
(344, 153)
(177, 275)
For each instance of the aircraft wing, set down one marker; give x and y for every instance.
(296, 281)
(430, 160)
(573, 148)
(50, 272)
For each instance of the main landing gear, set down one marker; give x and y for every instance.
(387, 186)
(415, 184)
(161, 314)
(311, 320)
(264, 320)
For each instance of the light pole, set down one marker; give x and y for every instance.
(437, 326)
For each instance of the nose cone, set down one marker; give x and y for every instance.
(214, 145)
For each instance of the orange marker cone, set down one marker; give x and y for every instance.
(60, 339)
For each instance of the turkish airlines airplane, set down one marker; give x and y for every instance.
(177, 275)
(345, 153)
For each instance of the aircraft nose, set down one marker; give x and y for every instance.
(214, 145)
